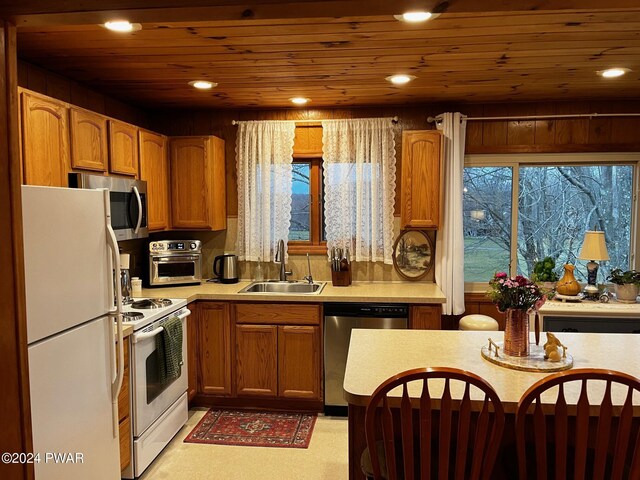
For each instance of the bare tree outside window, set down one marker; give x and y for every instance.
(556, 205)
(300, 228)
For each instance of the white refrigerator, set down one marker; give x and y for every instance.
(70, 256)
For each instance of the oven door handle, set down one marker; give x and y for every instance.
(139, 200)
(138, 337)
(175, 259)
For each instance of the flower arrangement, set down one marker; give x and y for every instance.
(516, 292)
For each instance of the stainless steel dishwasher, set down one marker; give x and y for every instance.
(339, 320)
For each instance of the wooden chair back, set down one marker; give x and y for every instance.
(463, 446)
(564, 444)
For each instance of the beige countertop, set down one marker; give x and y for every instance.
(375, 355)
(393, 292)
(126, 330)
(591, 309)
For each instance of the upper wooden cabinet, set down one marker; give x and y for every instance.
(123, 148)
(421, 172)
(89, 148)
(198, 198)
(307, 142)
(45, 141)
(154, 169)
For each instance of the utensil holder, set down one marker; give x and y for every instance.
(341, 278)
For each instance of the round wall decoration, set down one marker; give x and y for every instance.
(413, 254)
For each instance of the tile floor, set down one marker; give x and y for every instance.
(325, 459)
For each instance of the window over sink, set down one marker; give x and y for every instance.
(306, 233)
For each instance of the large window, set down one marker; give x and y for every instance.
(524, 208)
(306, 233)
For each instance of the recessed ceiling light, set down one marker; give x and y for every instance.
(202, 84)
(400, 79)
(299, 100)
(613, 72)
(122, 26)
(414, 17)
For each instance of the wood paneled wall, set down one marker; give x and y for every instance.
(56, 86)
(553, 136)
(14, 374)
(544, 136)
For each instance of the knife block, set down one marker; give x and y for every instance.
(341, 278)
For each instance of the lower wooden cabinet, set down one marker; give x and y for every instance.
(192, 352)
(425, 317)
(257, 360)
(262, 351)
(276, 360)
(214, 348)
(299, 362)
(124, 413)
(125, 443)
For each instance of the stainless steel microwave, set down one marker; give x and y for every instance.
(128, 202)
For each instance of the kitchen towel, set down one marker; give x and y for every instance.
(169, 348)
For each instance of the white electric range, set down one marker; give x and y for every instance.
(159, 406)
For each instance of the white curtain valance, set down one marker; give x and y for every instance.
(264, 153)
(359, 186)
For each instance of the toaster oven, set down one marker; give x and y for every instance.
(175, 262)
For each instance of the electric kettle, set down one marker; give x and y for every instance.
(225, 268)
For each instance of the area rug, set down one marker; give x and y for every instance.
(254, 429)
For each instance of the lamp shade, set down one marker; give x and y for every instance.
(594, 247)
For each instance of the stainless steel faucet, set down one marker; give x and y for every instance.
(280, 258)
(309, 278)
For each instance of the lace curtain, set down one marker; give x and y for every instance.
(264, 153)
(359, 187)
(449, 255)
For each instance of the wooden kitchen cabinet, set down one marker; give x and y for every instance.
(45, 140)
(298, 362)
(192, 351)
(89, 145)
(257, 360)
(214, 348)
(123, 148)
(421, 179)
(124, 413)
(278, 351)
(425, 317)
(154, 169)
(198, 198)
(307, 142)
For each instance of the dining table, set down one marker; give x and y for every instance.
(376, 355)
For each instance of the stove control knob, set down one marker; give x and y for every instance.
(192, 245)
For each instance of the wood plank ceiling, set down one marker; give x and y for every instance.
(468, 57)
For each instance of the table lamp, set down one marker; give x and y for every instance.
(593, 249)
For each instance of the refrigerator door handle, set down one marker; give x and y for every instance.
(116, 366)
(139, 200)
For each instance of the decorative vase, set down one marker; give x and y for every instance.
(568, 285)
(627, 293)
(516, 333)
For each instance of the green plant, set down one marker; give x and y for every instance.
(543, 271)
(619, 277)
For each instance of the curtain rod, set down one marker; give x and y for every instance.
(541, 117)
(236, 122)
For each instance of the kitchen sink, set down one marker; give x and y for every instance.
(279, 288)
